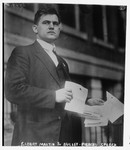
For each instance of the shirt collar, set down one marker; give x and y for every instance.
(47, 46)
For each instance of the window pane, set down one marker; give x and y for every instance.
(121, 27)
(110, 26)
(116, 25)
(97, 21)
(67, 13)
(82, 15)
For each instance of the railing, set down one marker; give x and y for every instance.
(111, 135)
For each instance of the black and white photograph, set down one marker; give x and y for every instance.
(64, 69)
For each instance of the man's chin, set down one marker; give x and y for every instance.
(52, 38)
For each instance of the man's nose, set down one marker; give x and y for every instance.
(51, 25)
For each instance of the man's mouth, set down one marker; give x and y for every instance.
(51, 32)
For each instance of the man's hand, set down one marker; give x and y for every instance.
(64, 95)
(95, 101)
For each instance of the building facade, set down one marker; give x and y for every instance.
(92, 42)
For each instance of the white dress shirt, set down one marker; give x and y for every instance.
(49, 50)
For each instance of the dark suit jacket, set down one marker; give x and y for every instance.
(31, 81)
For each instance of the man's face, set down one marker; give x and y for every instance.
(48, 28)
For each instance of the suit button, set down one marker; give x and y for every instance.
(59, 117)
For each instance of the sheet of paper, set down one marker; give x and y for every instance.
(79, 97)
(95, 123)
(115, 108)
(94, 116)
(94, 110)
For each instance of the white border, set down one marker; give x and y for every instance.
(127, 75)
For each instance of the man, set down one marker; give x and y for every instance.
(34, 81)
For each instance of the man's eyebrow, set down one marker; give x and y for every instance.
(46, 20)
(50, 21)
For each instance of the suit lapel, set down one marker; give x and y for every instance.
(46, 60)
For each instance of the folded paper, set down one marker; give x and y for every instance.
(79, 97)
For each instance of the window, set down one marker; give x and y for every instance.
(110, 24)
(116, 25)
(121, 27)
(67, 13)
(97, 22)
(83, 12)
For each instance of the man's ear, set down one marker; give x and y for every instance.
(34, 27)
(60, 26)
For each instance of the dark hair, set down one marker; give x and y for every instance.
(45, 11)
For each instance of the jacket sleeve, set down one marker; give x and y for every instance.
(17, 87)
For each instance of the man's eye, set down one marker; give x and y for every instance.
(46, 22)
(55, 23)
